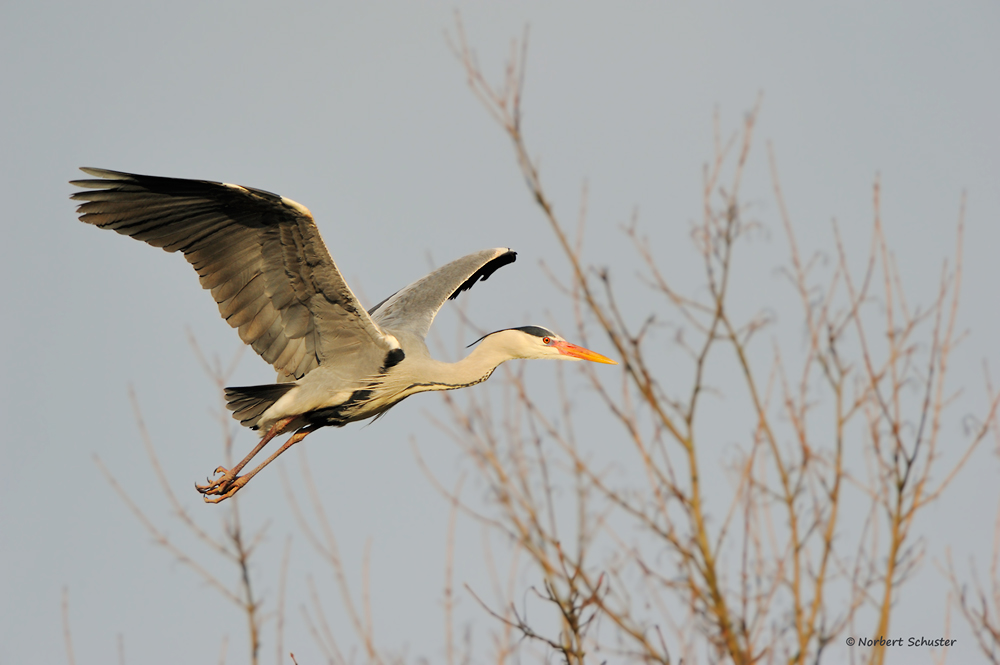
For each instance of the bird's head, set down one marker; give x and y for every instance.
(538, 342)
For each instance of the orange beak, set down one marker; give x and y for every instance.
(574, 351)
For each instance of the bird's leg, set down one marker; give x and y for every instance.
(234, 486)
(222, 483)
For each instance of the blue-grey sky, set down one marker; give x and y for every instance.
(362, 114)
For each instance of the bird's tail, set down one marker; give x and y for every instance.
(248, 403)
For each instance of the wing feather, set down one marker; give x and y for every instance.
(259, 254)
(272, 344)
(414, 307)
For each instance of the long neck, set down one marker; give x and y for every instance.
(418, 372)
(473, 368)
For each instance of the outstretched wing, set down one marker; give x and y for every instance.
(413, 308)
(259, 254)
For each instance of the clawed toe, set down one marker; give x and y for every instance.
(223, 487)
(219, 490)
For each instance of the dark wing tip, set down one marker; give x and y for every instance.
(107, 174)
(485, 271)
(116, 180)
(106, 179)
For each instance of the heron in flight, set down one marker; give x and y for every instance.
(262, 258)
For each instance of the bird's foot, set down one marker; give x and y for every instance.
(222, 487)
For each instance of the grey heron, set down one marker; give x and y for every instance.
(262, 258)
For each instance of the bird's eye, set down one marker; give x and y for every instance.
(546, 340)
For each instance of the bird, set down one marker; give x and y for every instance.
(269, 271)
